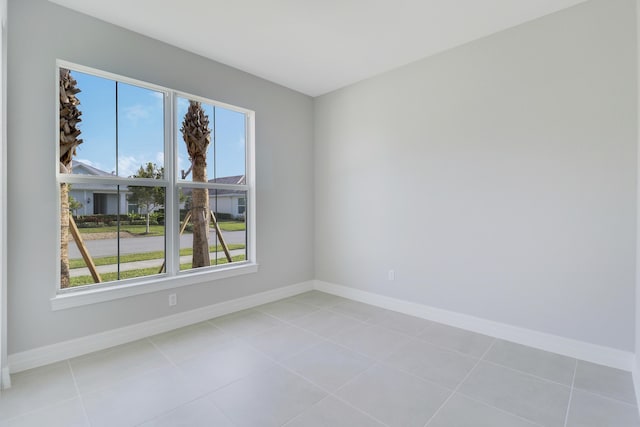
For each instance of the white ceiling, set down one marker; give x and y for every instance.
(316, 46)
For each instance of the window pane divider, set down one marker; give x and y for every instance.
(211, 185)
(131, 182)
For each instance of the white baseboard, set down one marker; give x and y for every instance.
(578, 349)
(566, 346)
(5, 379)
(77, 347)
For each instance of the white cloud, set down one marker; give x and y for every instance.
(137, 112)
(129, 165)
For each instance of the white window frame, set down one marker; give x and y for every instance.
(173, 277)
(5, 379)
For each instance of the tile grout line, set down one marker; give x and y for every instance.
(75, 383)
(171, 362)
(331, 395)
(286, 423)
(420, 338)
(328, 392)
(377, 363)
(504, 411)
(435, 414)
(573, 381)
(529, 374)
(382, 362)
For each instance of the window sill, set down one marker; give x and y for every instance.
(93, 296)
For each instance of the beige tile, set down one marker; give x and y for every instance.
(357, 310)
(537, 400)
(283, 341)
(331, 412)
(466, 342)
(590, 410)
(199, 413)
(461, 411)
(36, 389)
(64, 414)
(326, 323)
(318, 299)
(550, 366)
(267, 399)
(213, 370)
(106, 367)
(444, 367)
(605, 381)
(139, 399)
(287, 309)
(245, 323)
(187, 342)
(328, 365)
(394, 397)
(373, 341)
(399, 322)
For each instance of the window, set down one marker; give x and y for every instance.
(242, 205)
(150, 182)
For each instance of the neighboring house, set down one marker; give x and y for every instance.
(97, 198)
(231, 202)
(103, 199)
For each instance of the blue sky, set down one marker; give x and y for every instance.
(141, 131)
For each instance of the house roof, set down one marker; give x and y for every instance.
(82, 168)
(236, 180)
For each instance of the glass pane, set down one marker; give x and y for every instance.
(204, 148)
(122, 127)
(230, 210)
(225, 153)
(96, 155)
(121, 233)
(140, 130)
(227, 244)
(229, 141)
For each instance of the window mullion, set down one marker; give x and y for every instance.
(172, 213)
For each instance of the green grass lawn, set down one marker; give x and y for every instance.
(157, 230)
(129, 274)
(232, 225)
(138, 230)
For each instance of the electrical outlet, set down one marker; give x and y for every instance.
(173, 300)
(391, 275)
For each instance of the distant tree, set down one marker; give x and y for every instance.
(74, 205)
(69, 117)
(148, 198)
(197, 136)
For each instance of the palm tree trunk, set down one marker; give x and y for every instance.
(64, 236)
(200, 216)
(197, 136)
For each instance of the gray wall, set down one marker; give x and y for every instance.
(39, 33)
(498, 179)
(636, 375)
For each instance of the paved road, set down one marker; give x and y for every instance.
(108, 247)
(112, 268)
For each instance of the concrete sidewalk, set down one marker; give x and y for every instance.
(112, 268)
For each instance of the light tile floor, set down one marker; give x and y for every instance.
(320, 360)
